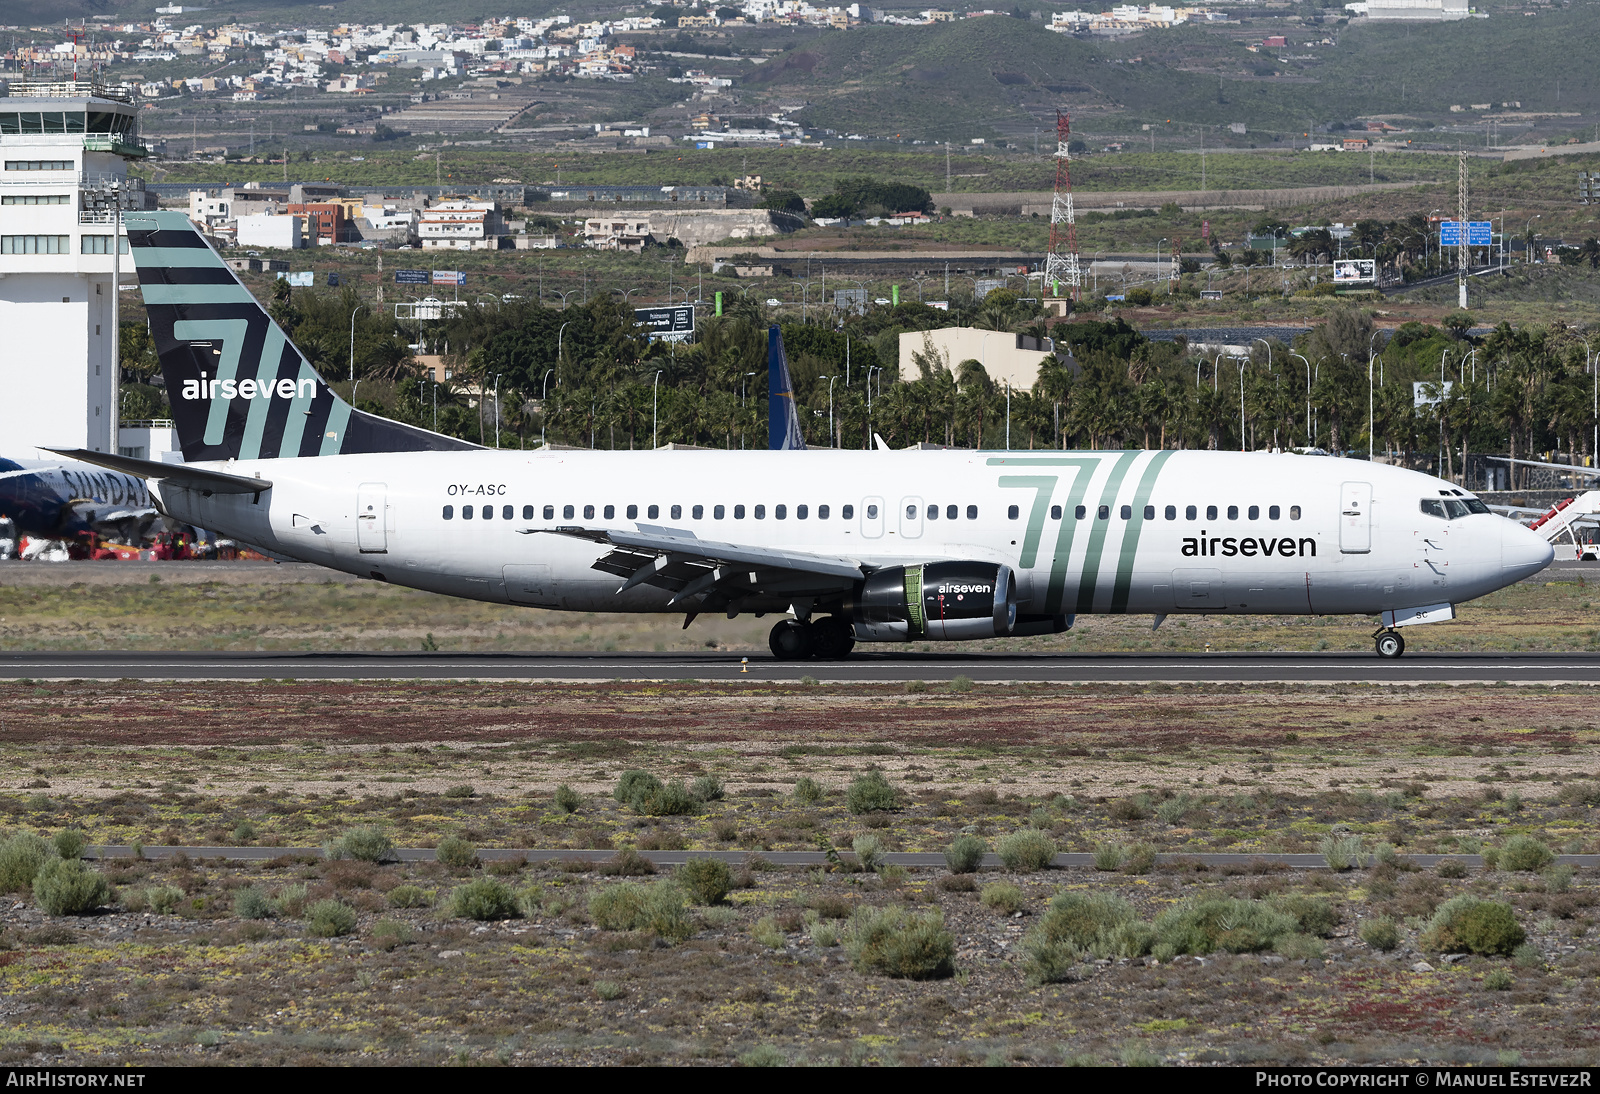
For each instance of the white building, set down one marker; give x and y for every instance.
(461, 226)
(281, 232)
(1416, 11)
(64, 152)
(1006, 357)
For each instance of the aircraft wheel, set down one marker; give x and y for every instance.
(790, 640)
(1390, 644)
(832, 639)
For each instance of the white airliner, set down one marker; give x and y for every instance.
(873, 546)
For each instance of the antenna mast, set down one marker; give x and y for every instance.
(1061, 264)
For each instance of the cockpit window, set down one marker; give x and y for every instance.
(1452, 508)
(1476, 506)
(1456, 508)
(1434, 508)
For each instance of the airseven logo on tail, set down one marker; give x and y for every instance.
(194, 390)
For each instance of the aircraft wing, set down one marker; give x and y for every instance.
(718, 573)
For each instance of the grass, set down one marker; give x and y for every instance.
(371, 616)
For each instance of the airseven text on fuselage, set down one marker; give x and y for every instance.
(1249, 546)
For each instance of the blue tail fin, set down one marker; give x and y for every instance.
(239, 389)
(783, 423)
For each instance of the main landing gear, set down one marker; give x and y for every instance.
(1389, 644)
(827, 639)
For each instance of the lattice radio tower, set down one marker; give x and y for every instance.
(1061, 264)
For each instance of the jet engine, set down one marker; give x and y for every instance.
(943, 601)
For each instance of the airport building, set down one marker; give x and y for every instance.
(65, 149)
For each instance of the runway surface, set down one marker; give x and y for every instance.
(862, 668)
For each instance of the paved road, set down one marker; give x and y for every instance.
(868, 667)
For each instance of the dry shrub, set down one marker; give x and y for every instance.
(906, 945)
(1467, 924)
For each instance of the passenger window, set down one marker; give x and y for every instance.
(507, 512)
(1172, 512)
(653, 512)
(822, 512)
(1433, 507)
(1294, 512)
(1103, 513)
(488, 512)
(1255, 512)
(1273, 512)
(633, 512)
(848, 512)
(698, 512)
(549, 512)
(1080, 512)
(567, 512)
(780, 512)
(466, 512)
(972, 512)
(1149, 512)
(610, 512)
(1190, 513)
(449, 512)
(1211, 512)
(761, 512)
(1127, 512)
(527, 512)
(718, 512)
(738, 512)
(933, 512)
(801, 512)
(588, 512)
(1011, 512)
(677, 512)
(1055, 512)
(951, 512)
(1233, 512)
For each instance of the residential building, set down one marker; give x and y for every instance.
(64, 153)
(279, 231)
(617, 233)
(461, 226)
(322, 223)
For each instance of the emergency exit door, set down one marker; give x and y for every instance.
(1355, 518)
(372, 518)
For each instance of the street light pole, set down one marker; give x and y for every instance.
(544, 411)
(830, 380)
(654, 430)
(353, 311)
(1310, 441)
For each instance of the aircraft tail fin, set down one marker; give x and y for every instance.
(239, 388)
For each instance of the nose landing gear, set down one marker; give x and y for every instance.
(1389, 644)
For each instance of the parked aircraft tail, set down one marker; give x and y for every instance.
(239, 388)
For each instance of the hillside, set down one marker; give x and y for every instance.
(999, 76)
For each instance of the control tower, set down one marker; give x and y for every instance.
(64, 154)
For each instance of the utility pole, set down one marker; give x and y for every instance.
(1463, 253)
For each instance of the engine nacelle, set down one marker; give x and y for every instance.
(943, 601)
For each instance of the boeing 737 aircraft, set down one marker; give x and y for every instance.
(874, 546)
(63, 499)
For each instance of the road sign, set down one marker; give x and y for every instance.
(668, 321)
(449, 277)
(303, 280)
(411, 277)
(1479, 233)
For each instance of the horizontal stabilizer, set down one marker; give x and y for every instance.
(184, 475)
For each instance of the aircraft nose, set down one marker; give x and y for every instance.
(1523, 552)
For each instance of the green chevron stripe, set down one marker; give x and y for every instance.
(1134, 529)
(197, 294)
(1083, 471)
(183, 257)
(1043, 486)
(1097, 534)
(231, 333)
(266, 373)
(333, 434)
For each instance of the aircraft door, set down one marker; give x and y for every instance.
(372, 518)
(871, 518)
(910, 518)
(1355, 518)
